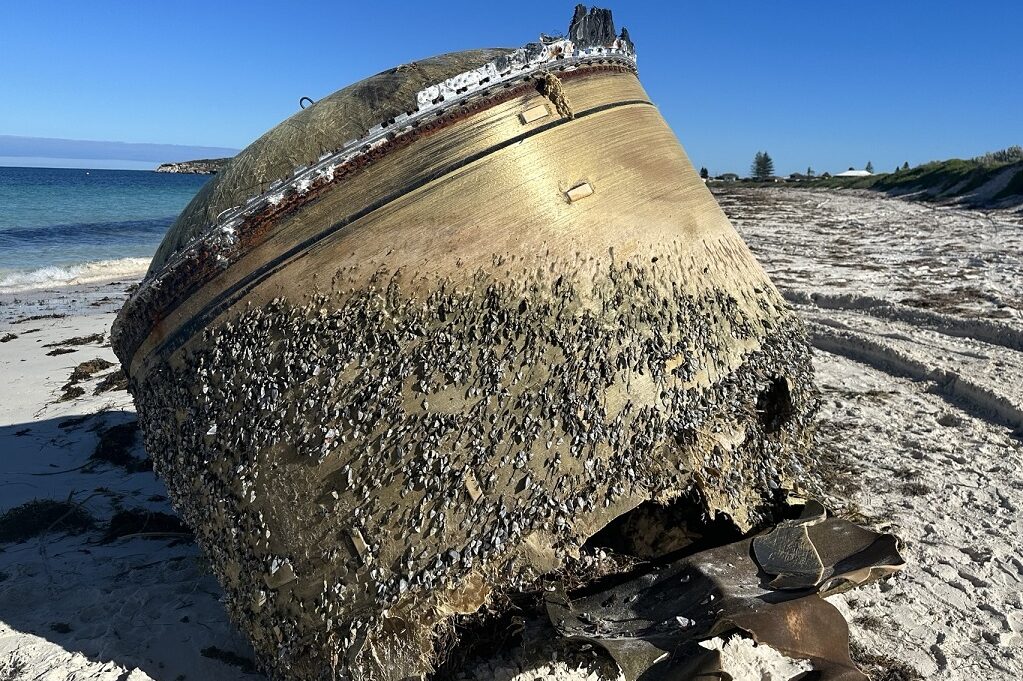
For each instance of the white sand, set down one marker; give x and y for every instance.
(72, 606)
(744, 660)
(919, 407)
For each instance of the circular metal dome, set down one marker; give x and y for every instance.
(327, 124)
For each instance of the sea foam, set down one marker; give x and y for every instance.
(48, 277)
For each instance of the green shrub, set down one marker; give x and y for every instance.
(1012, 154)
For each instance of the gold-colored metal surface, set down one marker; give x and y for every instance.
(537, 174)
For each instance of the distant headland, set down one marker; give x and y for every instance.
(203, 166)
(54, 152)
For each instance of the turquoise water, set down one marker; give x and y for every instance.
(60, 224)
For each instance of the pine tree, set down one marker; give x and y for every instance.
(704, 173)
(810, 172)
(905, 166)
(870, 167)
(763, 166)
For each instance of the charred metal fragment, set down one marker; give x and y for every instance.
(595, 28)
(651, 624)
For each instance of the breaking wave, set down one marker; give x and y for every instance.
(46, 277)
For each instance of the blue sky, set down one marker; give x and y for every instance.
(827, 84)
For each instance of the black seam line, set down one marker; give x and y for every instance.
(240, 288)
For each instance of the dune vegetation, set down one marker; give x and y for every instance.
(994, 180)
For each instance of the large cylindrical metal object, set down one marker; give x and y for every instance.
(430, 372)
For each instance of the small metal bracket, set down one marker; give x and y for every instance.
(534, 113)
(580, 191)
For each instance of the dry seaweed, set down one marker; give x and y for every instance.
(915, 489)
(41, 516)
(87, 369)
(139, 521)
(59, 351)
(115, 447)
(78, 340)
(38, 317)
(83, 371)
(115, 380)
(71, 392)
(7, 337)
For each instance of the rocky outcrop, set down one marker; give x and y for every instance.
(205, 166)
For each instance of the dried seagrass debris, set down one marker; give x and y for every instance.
(71, 390)
(87, 369)
(38, 317)
(115, 380)
(40, 516)
(116, 446)
(78, 341)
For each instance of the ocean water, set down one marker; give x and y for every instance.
(67, 225)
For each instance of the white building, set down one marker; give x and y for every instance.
(854, 173)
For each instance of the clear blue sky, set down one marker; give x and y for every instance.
(821, 83)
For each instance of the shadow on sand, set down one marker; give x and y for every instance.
(82, 602)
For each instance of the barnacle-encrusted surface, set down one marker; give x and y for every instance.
(363, 464)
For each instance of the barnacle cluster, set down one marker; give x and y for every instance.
(368, 461)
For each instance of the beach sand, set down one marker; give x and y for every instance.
(82, 605)
(916, 314)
